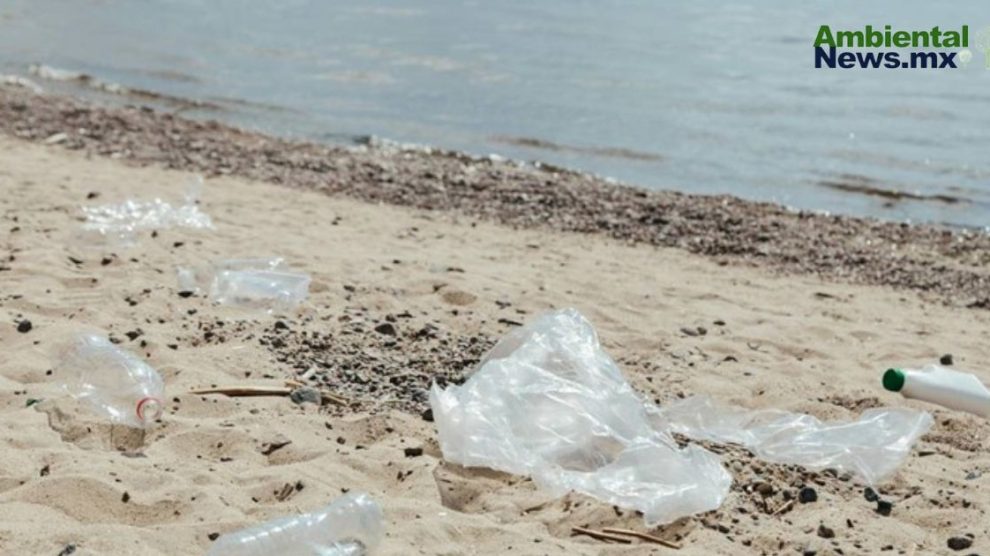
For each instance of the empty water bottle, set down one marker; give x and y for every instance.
(113, 382)
(351, 525)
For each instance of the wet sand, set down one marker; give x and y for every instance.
(750, 303)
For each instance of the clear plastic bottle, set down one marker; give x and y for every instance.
(114, 382)
(351, 525)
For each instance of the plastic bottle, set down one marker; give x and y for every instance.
(351, 525)
(114, 382)
(942, 386)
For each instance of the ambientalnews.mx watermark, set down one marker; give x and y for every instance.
(931, 49)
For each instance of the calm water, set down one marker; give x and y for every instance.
(698, 96)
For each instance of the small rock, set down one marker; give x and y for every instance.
(280, 325)
(946, 359)
(213, 536)
(306, 395)
(24, 326)
(185, 293)
(68, 549)
(765, 489)
(871, 495)
(884, 507)
(689, 331)
(386, 328)
(959, 543)
(413, 452)
(807, 495)
(427, 415)
(825, 532)
(126, 497)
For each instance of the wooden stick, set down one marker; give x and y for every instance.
(784, 508)
(599, 535)
(238, 391)
(642, 536)
(244, 391)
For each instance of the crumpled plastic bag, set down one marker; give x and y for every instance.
(548, 402)
(119, 224)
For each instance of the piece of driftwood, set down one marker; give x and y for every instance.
(247, 391)
(602, 536)
(642, 536)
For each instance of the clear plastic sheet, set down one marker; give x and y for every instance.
(119, 224)
(548, 402)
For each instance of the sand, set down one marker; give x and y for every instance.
(770, 340)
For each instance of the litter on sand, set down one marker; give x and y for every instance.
(942, 386)
(548, 402)
(115, 383)
(118, 224)
(351, 525)
(254, 284)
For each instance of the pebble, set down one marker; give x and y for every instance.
(386, 328)
(871, 495)
(24, 326)
(807, 495)
(884, 507)
(413, 452)
(825, 532)
(946, 359)
(306, 395)
(959, 543)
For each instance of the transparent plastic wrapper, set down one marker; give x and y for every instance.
(254, 284)
(114, 383)
(548, 402)
(119, 224)
(352, 525)
(872, 447)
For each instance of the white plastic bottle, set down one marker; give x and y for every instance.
(942, 386)
(114, 382)
(351, 525)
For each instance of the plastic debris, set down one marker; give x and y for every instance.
(871, 447)
(114, 383)
(119, 224)
(352, 525)
(942, 386)
(548, 402)
(259, 284)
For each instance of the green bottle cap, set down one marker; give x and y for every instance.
(893, 380)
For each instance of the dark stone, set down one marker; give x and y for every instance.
(213, 536)
(280, 325)
(884, 507)
(959, 543)
(306, 395)
(24, 326)
(807, 495)
(871, 495)
(946, 359)
(126, 497)
(413, 452)
(427, 415)
(825, 532)
(386, 328)
(185, 293)
(69, 549)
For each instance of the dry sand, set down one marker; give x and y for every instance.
(792, 342)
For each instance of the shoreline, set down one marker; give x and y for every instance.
(937, 263)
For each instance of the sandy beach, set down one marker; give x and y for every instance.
(754, 304)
